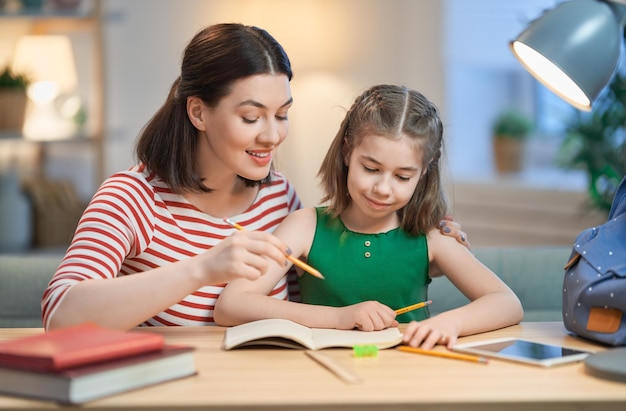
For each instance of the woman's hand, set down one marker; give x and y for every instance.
(244, 254)
(451, 228)
(366, 316)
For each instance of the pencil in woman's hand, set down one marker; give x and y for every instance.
(291, 258)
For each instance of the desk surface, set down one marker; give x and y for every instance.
(283, 379)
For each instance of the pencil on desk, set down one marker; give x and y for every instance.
(291, 258)
(445, 354)
(413, 307)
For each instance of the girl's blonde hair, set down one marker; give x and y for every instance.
(393, 112)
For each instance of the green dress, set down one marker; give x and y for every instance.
(390, 267)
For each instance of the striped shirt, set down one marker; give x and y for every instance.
(135, 223)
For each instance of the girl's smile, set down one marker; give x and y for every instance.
(376, 204)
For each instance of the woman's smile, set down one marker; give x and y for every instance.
(262, 158)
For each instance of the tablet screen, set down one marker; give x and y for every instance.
(525, 351)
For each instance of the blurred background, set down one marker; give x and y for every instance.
(127, 54)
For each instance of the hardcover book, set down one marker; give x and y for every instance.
(77, 385)
(289, 334)
(73, 346)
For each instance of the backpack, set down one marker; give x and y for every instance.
(594, 286)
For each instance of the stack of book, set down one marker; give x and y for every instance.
(78, 364)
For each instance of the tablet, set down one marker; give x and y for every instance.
(524, 351)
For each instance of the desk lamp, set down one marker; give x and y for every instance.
(573, 49)
(49, 62)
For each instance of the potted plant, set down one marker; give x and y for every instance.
(12, 100)
(596, 143)
(509, 130)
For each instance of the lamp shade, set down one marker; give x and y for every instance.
(48, 61)
(46, 58)
(573, 49)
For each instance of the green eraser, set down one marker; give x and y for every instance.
(368, 350)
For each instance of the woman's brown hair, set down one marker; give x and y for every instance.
(214, 59)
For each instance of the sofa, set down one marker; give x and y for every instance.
(23, 279)
(534, 273)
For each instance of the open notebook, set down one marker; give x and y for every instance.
(289, 334)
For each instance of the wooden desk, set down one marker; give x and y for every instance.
(283, 379)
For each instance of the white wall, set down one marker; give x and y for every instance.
(337, 48)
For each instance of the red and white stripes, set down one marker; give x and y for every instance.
(135, 223)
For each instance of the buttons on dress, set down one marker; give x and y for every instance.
(367, 243)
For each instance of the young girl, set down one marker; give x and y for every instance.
(377, 243)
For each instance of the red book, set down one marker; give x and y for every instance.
(74, 346)
(77, 385)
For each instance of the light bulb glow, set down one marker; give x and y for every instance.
(551, 76)
(43, 91)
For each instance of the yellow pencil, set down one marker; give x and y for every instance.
(445, 354)
(413, 307)
(291, 258)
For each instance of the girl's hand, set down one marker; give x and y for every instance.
(367, 316)
(244, 254)
(451, 228)
(428, 333)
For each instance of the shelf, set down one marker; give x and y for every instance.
(80, 137)
(84, 9)
(30, 15)
(83, 25)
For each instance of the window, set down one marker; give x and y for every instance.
(484, 78)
